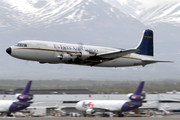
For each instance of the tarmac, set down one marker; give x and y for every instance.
(172, 117)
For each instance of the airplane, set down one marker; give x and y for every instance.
(8, 106)
(116, 106)
(56, 52)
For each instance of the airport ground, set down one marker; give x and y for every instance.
(171, 117)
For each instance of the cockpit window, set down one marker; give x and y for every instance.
(22, 45)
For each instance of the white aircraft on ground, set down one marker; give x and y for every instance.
(115, 106)
(8, 106)
(55, 52)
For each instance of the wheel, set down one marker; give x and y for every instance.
(120, 115)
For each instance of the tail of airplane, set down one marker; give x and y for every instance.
(136, 98)
(139, 89)
(24, 99)
(25, 95)
(137, 95)
(146, 46)
(27, 88)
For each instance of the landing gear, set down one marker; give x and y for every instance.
(9, 114)
(6, 114)
(84, 115)
(119, 114)
(105, 115)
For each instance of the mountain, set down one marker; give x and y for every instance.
(163, 17)
(113, 23)
(71, 21)
(152, 12)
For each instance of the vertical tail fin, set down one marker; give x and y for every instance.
(139, 89)
(136, 98)
(137, 95)
(27, 88)
(146, 45)
(25, 95)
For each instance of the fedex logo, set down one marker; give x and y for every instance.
(87, 104)
(22, 97)
(134, 97)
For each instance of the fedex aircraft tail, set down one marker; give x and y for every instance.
(136, 98)
(146, 45)
(27, 88)
(137, 95)
(139, 89)
(24, 99)
(25, 95)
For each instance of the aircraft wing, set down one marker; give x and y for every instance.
(100, 109)
(65, 109)
(112, 55)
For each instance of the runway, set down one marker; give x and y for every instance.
(172, 117)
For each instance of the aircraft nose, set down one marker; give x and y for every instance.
(9, 50)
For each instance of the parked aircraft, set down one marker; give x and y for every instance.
(115, 106)
(8, 106)
(56, 52)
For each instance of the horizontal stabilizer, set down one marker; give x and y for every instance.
(154, 61)
(131, 104)
(120, 53)
(21, 104)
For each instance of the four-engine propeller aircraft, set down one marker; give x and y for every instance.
(115, 106)
(8, 106)
(54, 52)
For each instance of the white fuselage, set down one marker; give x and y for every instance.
(5, 105)
(110, 105)
(47, 52)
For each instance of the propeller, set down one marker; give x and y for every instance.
(80, 49)
(80, 46)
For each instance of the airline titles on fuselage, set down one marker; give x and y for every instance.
(88, 104)
(74, 48)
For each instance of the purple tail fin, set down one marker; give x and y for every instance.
(24, 99)
(136, 98)
(25, 95)
(27, 88)
(139, 89)
(138, 95)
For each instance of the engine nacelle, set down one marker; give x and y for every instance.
(128, 95)
(84, 55)
(136, 97)
(22, 97)
(90, 111)
(17, 95)
(65, 57)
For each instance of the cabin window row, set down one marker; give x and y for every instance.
(22, 45)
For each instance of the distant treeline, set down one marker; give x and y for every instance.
(107, 86)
